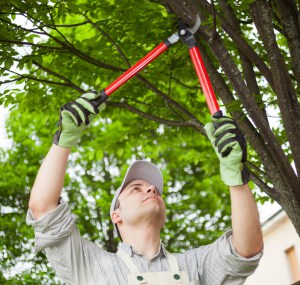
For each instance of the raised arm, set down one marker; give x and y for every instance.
(230, 147)
(247, 235)
(49, 182)
(74, 118)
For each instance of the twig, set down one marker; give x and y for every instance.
(150, 117)
(111, 40)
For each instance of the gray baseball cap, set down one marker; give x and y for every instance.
(140, 170)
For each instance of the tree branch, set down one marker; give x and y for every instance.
(85, 56)
(243, 46)
(71, 25)
(183, 84)
(287, 97)
(288, 15)
(31, 44)
(169, 100)
(151, 117)
(110, 39)
(10, 81)
(22, 28)
(264, 187)
(54, 28)
(248, 71)
(251, 165)
(68, 46)
(68, 82)
(145, 82)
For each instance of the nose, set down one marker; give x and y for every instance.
(152, 188)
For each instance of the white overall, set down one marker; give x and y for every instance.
(174, 276)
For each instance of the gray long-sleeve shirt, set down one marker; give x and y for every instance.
(81, 262)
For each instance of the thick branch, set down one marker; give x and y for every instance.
(287, 98)
(229, 27)
(289, 18)
(248, 71)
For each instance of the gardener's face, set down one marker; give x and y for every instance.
(141, 202)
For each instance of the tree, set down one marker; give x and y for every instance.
(263, 72)
(55, 50)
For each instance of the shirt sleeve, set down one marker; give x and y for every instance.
(52, 227)
(219, 263)
(68, 253)
(237, 264)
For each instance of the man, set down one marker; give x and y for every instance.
(138, 212)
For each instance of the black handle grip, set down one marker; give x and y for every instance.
(98, 101)
(217, 115)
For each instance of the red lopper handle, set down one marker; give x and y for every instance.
(208, 91)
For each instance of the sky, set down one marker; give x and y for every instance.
(266, 210)
(4, 141)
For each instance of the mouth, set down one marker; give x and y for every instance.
(151, 198)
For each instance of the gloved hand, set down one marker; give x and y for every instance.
(75, 116)
(231, 148)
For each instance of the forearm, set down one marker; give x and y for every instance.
(49, 182)
(247, 234)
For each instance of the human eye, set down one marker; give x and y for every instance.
(135, 188)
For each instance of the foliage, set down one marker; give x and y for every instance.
(52, 51)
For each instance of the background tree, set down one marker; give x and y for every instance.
(52, 51)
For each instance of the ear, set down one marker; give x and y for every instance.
(115, 216)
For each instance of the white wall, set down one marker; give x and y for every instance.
(279, 235)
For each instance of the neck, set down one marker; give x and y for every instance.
(145, 240)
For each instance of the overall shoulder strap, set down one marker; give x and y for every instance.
(174, 267)
(128, 261)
